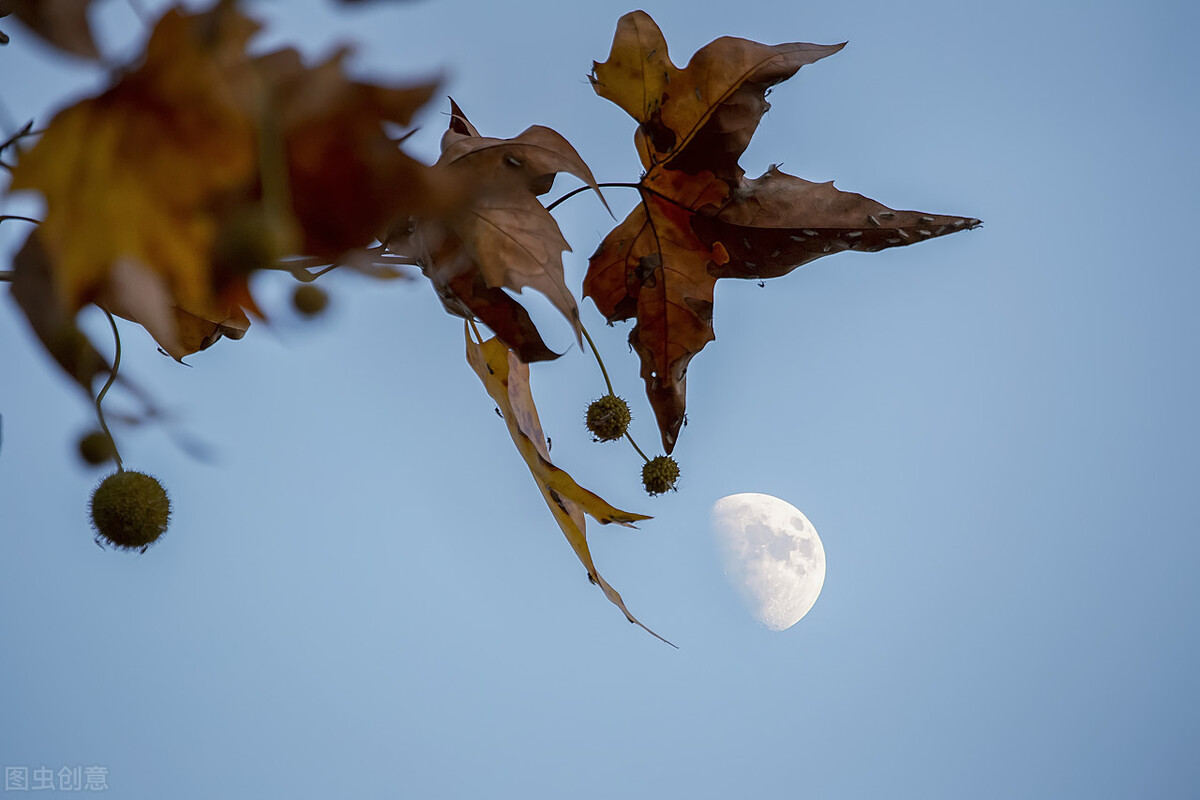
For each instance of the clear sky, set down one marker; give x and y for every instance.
(363, 595)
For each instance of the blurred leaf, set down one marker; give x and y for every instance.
(34, 290)
(349, 180)
(203, 164)
(62, 23)
(135, 175)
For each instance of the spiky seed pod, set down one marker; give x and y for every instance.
(659, 474)
(96, 447)
(608, 418)
(310, 300)
(130, 510)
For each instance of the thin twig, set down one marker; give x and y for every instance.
(298, 267)
(581, 189)
(26, 130)
(635, 447)
(599, 361)
(112, 376)
(4, 217)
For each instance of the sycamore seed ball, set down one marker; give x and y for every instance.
(659, 474)
(310, 300)
(96, 447)
(608, 418)
(130, 510)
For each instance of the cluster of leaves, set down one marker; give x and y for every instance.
(202, 164)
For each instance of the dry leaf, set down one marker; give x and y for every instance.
(504, 238)
(134, 174)
(349, 180)
(506, 379)
(204, 164)
(700, 218)
(33, 289)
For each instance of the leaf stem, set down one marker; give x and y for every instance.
(635, 447)
(5, 217)
(582, 189)
(112, 376)
(599, 360)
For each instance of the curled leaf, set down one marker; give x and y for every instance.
(504, 238)
(506, 379)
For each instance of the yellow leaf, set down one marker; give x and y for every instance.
(136, 175)
(506, 379)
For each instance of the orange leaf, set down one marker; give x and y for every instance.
(134, 174)
(700, 219)
(203, 164)
(506, 379)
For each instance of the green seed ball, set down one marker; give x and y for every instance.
(310, 300)
(130, 510)
(659, 475)
(96, 448)
(608, 418)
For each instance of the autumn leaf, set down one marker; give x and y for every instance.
(133, 174)
(33, 289)
(204, 164)
(349, 181)
(504, 238)
(506, 379)
(700, 219)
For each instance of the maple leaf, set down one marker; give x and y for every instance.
(504, 238)
(132, 175)
(700, 219)
(203, 164)
(506, 379)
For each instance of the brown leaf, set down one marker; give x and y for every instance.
(700, 218)
(349, 181)
(504, 238)
(204, 164)
(506, 379)
(135, 174)
(62, 23)
(703, 116)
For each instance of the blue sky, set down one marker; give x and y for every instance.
(362, 593)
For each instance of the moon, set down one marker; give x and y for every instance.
(772, 556)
